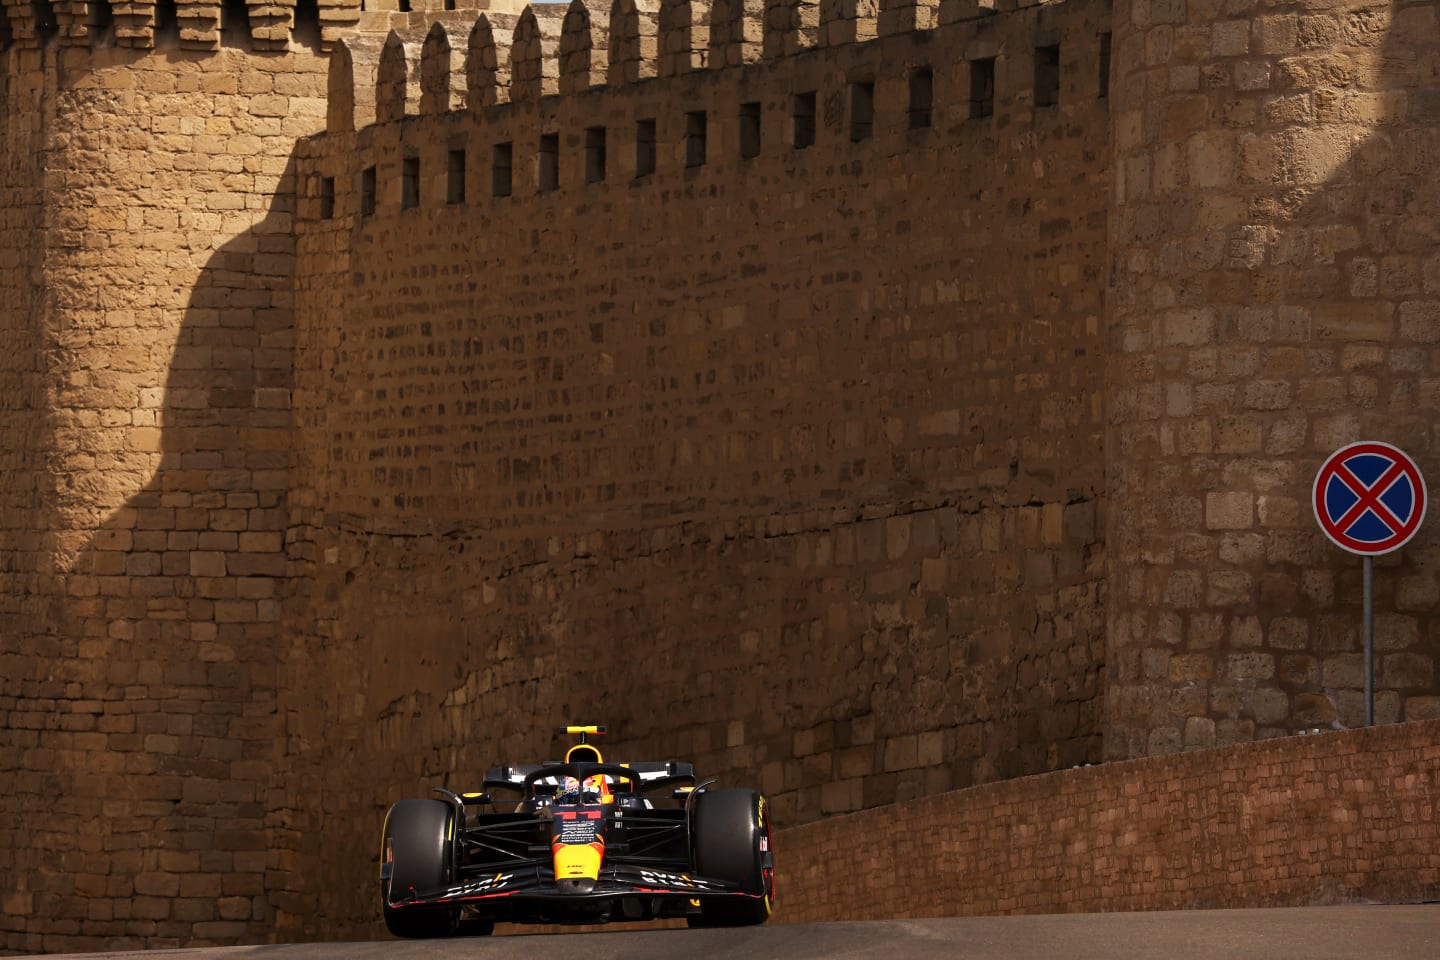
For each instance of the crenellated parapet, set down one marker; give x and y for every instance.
(427, 66)
(634, 40)
(684, 37)
(487, 72)
(558, 48)
(736, 32)
(260, 26)
(396, 84)
(535, 52)
(846, 21)
(584, 50)
(442, 86)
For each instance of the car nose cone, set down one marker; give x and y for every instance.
(577, 885)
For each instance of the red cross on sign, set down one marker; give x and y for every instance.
(1369, 498)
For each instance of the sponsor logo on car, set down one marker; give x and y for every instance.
(656, 878)
(474, 887)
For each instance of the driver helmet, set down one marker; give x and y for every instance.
(568, 792)
(595, 789)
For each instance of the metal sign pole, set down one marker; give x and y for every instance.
(1369, 499)
(1369, 641)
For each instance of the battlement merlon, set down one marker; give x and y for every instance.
(268, 26)
(551, 48)
(557, 48)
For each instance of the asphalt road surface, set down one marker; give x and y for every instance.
(1409, 932)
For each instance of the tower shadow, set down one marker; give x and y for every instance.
(175, 606)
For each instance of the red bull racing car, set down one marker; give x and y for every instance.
(578, 840)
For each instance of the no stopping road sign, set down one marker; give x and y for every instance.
(1369, 498)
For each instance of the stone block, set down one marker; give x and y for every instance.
(1269, 706)
(1163, 740)
(901, 753)
(852, 762)
(1295, 670)
(1406, 671)
(930, 748)
(841, 796)
(1191, 668)
(1251, 665)
(1199, 733)
(1313, 710)
(1191, 327)
(1344, 670)
(1229, 511)
(1422, 708)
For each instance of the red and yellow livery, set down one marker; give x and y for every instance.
(577, 840)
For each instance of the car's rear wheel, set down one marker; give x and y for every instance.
(732, 842)
(418, 851)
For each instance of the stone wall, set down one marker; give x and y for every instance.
(23, 656)
(784, 463)
(930, 410)
(147, 275)
(1275, 299)
(1304, 821)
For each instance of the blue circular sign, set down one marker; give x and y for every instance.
(1369, 498)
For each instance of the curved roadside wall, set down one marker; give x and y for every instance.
(1337, 818)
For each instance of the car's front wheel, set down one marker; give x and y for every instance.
(732, 842)
(417, 846)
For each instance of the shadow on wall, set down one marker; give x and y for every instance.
(1340, 259)
(1291, 218)
(176, 603)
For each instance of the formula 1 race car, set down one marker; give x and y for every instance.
(578, 841)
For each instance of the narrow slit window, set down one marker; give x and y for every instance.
(455, 177)
(234, 24)
(644, 148)
(501, 179)
(1104, 65)
(306, 31)
(167, 23)
(749, 130)
(367, 192)
(547, 174)
(410, 183)
(1047, 76)
(922, 97)
(46, 25)
(100, 23)
(982, 88)
(862, 111)
(594, 154)
(695, 123)
(803, 118)
(327, 198)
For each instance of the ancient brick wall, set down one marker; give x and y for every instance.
(1275, 299)
(767, 461)
(860, 420)
(22, 388)
(147, 275)
(1344, 817)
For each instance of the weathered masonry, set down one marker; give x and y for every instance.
(865, 403)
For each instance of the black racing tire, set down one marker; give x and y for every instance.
(732, 842)
(418, 842)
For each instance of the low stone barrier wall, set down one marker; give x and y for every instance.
(1333, 818)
